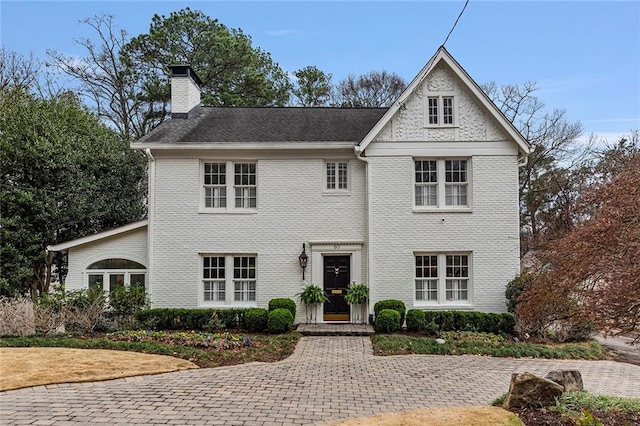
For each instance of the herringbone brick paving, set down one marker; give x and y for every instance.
(327, 378)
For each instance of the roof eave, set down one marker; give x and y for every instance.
(99, 236)
(275, 145)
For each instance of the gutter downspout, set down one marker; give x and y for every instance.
(151, 164)
(359, 156)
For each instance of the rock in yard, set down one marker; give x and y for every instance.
(571, 380)
(529, 390)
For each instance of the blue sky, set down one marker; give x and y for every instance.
(584, 55)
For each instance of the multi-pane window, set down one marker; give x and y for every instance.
(440, 110)
(432, 286)
(427, 278)
(245, 185)
(457, 281)
(426, 190)
(244, 278)
(433, 111)
(223, 178)
(441, 183)
(215, 185)
(455, 182)
(213, 278)
(109, 274)
(337, 175)
(228, 279)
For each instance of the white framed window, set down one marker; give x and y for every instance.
(442, 278)
(441, 183)
(110, 274)
(337, 175)
(222, 178)
(227, 280)
(440, 110)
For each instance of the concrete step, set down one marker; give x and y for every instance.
(335, 329)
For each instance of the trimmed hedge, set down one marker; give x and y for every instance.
(188, 319)
(387, 321)
(396, 305)
(283, 303)
(280, 320)
(438, 321)
(255, 319)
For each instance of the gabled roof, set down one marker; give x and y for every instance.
(442, 55)
(99, 236)
(268, 124)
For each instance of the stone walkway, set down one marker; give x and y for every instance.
(327, 378)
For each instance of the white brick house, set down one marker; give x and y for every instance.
(419, 201)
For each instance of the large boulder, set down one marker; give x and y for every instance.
(571, 380)
(529, 390)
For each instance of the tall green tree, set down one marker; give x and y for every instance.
(233, 71)
(313, 87)
(373, 89)
(64, 174)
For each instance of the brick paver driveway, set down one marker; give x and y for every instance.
(327, 378)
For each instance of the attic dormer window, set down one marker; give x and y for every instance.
(440, 110)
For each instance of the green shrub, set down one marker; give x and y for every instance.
(255, 319)
(279, 320)
(416, 320)
(283, 303)
(387, 321)
(396, 305)
(516, 287)
(189, 319)
(125, 302)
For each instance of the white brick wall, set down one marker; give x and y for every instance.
(292, 209)
(185, 94)
(131, 245)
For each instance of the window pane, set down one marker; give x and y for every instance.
(214, 291)
(447, 110)
(245, 185)
(456, 195)
(115, 281)
(116, 264)
(95, 280)
(342, 176)
(433, 110)
(331, 175)
(136, 280)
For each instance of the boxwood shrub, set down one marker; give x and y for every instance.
(283, 303)
(255, 319)
(438, 321)
(387, 321)
(188, 319)
(396, 305)
(416, 320)
(280, 320)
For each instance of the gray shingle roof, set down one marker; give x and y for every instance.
(234, 124)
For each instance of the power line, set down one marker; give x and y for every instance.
(456, 23)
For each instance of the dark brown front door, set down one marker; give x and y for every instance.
(336, 280)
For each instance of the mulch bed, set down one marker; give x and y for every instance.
(544, 417)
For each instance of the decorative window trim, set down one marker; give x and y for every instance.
(446, 116)
(108, 268)
(237, 277)
(339, 183)
(438, 281)
(423, 175)
(224, 197)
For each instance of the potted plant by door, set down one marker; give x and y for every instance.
(311, 296)
(358, 295)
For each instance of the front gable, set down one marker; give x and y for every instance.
(443, 82)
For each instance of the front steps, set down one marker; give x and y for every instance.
(335, 329)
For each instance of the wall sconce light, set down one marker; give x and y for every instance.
(302, 259)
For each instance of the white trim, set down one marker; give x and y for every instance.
(229, 301)
(441, 149)
(99, 236)
(230, 187)
(275, 145)
(441, 302)
(336, 190)
(443, 55)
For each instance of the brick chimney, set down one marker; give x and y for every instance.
(185, 91)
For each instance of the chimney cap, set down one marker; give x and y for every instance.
(184, 70)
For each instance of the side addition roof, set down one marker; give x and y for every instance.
(443, 55)
(99, 236)
(265, 124)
